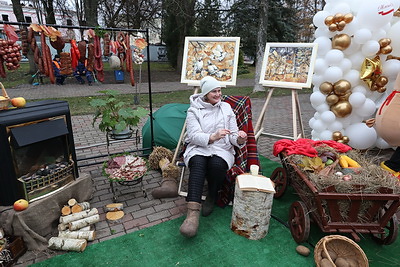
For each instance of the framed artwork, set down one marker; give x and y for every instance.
(210, 56)
(288, 65)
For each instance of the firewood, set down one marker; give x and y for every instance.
(80, 207)
(72, 202)
(67, 244)
(114, 207)
(114, 216)
(75, 225)
(66, 210)
(62, 227)
(79, 234)
(78, 216)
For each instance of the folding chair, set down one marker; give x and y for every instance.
(244, 157)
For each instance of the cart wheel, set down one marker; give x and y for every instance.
(390, 231)
(299, 221)
(279, 177)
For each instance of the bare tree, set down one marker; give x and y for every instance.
(91, 15)
(261, 41)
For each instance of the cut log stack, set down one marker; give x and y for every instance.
(75, 227)
(114, 213)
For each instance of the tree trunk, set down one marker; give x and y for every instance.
(49, 8)
(90, 7)
(261, 41)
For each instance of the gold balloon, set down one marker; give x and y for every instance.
(341, 109)
(341, 41)
(326, 88)
(381, 89)
(333, 27)
(340, 87)
(374, 87)
(345, 139)
(332, 99)
(340, 141)
(345, 96)
(348, 17)
(384, 42)
(328, 20)
(337, 135)
(341, 25)
(338, 17)
(386, 50)
(381, 81)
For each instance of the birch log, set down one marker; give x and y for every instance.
(114, 216)
(251, 213)
(67, 244)
(77, 216)
(75, 225)
(66, 210)
(80, 207)
(79, 234)
(62, 227)
(114, 207)
(72, 202)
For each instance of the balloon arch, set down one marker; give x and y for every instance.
(355, 70)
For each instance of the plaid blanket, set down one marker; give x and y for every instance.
(245, 156)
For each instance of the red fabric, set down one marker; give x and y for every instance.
(306, 147)
(75, 54)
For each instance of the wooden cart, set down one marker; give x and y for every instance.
(378, 219)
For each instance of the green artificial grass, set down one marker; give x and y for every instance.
(215, 243)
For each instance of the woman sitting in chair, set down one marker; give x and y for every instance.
(212, 132)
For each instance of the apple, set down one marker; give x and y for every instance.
(18, 102)
(21, 204)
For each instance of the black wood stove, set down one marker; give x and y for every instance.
(37, 155)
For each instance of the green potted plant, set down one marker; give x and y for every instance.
(117, 117)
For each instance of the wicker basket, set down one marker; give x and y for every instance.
(4, 103)
(343, 247)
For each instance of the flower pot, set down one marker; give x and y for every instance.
(125, 134)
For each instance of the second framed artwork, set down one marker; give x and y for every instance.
(210, 56)
(288, 65)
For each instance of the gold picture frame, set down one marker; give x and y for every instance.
(210, 56)
(288, 65)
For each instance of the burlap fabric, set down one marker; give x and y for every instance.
(39, 222)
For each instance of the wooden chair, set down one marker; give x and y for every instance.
(244, 157)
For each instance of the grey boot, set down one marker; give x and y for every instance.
(208, 206)
(191, 223)
(169, 188)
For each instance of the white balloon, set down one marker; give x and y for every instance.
(353, 48)
(317, 80)
(344, 121)
(354, 118)
(353, 77)
(352, 27)
(324, 45)
(370, 48)
(317, 98)
(319, 18)
(335, 126)
(334, 57)
(325, 135)
(357, 99)
(323, 31)
(311, 122)
(359, 88)
(357, 59)
(379, 102)
(320, 66)
(366, 109)
(328, 117)
(355, 5)
(396, 4)
(319, 126)
(391, 68)
(378, 34)
(333, 74)
(343, 8)
(382, 144)
(374, 14)
(360, 136)
(394, 35)
(314, 135)
(321, 108)
(362, 36)
(345, 65)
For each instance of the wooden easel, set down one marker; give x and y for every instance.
(258, 130)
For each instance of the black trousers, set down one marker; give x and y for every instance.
(394, 161)
(213, 169)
